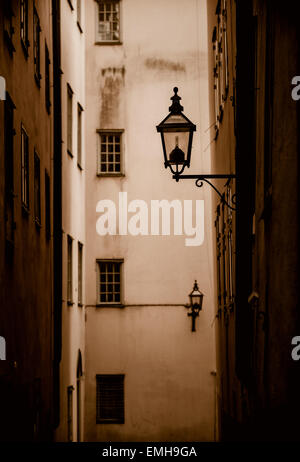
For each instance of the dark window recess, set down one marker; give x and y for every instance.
(79, 14)
(24, 25)
(25, 168)
(9, 167)
(269, 96)
(69, 120)
(70, 271)
(47, 206)
(79, 135)
(71, 4)
(8, 28)
(110, 398)
(70, 390)
(37, 47)
(37, 189)
(80, 255)
(47, 79)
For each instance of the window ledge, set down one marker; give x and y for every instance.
(70, 154)
(69, 303)
(113, 42)
(110, 305)
(111, 174)
(79, 27)
(110, 421)
(79, 166)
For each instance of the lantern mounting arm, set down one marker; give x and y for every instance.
(205, 178)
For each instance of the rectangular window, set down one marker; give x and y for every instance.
(110, 399)
(47, 79)
(109, 282)
(36, 47)
(79, 135)
(110, 152)
(47, 206)
(80, 252)
(24, 25)
(25, 168)
(69, 119)
(70, 271)
(108, 21)
(37, 188)
(9, 133)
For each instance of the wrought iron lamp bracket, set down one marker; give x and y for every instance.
(200, 179)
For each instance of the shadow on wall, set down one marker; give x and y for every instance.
(164, 65)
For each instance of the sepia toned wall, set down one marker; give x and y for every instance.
(259, 139)
(169, 381)
(73, 221)
(26, 260)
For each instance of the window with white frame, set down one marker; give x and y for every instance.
(110, 398)
(110, 282)
(108, 21)
(25, 168)
(110, 152)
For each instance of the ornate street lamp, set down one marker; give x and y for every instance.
(177, 137)
(196, 300)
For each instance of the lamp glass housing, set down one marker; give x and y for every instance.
(196, 298)
(177, 137)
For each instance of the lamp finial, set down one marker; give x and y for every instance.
(175, 107)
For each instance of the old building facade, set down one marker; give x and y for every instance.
(73, 226)
(26, 282)
(147, 376)
(255, 131)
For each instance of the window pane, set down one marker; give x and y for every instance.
(109, 286)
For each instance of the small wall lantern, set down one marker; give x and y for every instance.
(196, 300)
